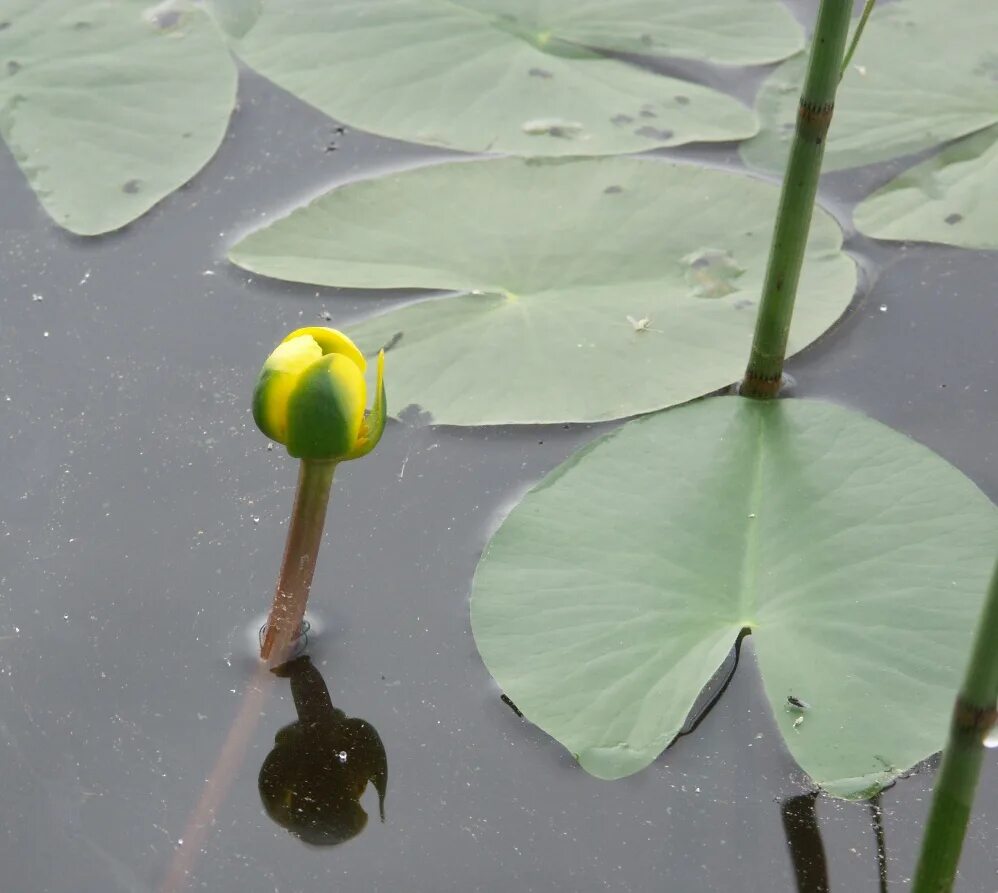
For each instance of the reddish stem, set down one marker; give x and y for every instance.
(315, 478)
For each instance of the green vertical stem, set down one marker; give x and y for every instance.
(315, 479)
(800, 185)
(974, 717)
(864, 17)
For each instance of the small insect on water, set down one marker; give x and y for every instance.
(795, 703)
(640, 325)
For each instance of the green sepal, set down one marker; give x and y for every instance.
(325, 409)
(373, 425)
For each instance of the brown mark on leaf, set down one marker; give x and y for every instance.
(653, 133)
(391, 342)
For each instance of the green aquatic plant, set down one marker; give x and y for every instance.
(855, 557)
(800, 186)
(924, 75)
(109, 107)
(311, 396)
(890, 108)
(610, 595)
(516, 77)
(973, 723)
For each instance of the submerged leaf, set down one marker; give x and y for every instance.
(924, 73)
(951, 198)
(515, 76)
(586, 289)
(109, 107)
(857, 558)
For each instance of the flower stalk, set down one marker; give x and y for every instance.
(974, 718)
(800, 186)
(308, 518)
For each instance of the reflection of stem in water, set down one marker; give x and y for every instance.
(216, 786)
(877, 814)
(312, 781)
(806, 848)
(800, 822)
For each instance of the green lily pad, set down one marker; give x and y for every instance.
(924, 73)
(235, 17)
(951, 198)
(586, 289)
(857, 558)
(515, 76)
(109, 107)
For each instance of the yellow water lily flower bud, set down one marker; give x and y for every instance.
(311, 397)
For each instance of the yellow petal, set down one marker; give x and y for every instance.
(332, 341)
(277, 380)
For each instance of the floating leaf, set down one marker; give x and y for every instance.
(925, 72)
(109, 107)
(857, 558)
(516, 76)
(235, 17)
(952, 198)
(588, 289)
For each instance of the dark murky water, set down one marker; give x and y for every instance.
(141, 525)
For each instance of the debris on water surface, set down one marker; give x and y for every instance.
(799, 722)
(509, 703)
(164, 16)
(712, 272)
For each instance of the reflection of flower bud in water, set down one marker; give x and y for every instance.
(312, 781)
